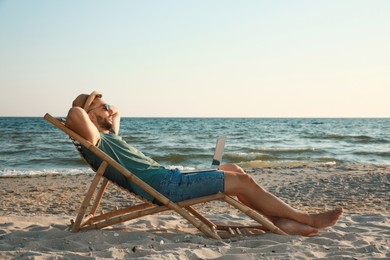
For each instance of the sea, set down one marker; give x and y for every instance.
(32, 146)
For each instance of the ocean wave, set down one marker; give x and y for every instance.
(181, 167)
(268, 154)
(15, 151)
(360, 139)
(272, 164)
(42, 162)
(290, 150)
(182, 157)
(385, 154)
(251, 156)
(66, 161)
(44, 172)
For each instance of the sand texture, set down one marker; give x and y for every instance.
(35, 213)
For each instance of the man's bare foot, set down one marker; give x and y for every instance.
(292, 227)
(326, 219)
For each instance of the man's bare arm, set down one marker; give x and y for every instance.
(78, 120)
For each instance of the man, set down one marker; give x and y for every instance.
(99, 123)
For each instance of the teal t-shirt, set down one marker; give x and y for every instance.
(132, 159)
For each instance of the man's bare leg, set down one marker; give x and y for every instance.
(325, 219)
(289, 226)
(292, 227)
(254, 196)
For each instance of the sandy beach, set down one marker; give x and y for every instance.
(35, 213)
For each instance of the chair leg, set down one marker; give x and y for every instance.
(201, 217)
(99, 197)
(254, 215)
(88, 196)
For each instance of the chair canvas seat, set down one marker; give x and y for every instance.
(92, 220)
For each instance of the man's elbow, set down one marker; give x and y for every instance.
(74, 114)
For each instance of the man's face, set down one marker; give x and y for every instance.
(104, 122)
(101, 114)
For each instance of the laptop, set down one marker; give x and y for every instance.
(217, 157)
(218, 152)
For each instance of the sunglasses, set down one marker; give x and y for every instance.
(105, 106)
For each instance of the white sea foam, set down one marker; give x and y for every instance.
(44, 172)
(180, 167)
(259, 163)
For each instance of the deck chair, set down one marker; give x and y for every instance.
(92, 220)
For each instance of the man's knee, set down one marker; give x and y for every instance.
(246, 179)
(239, 184)
(232, 167)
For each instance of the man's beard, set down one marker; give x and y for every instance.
(104, 123)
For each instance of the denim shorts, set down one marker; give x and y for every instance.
(178, 186)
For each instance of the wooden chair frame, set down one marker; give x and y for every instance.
(96, 221)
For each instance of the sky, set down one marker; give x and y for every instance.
(219, 58)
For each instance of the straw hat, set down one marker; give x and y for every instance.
(84, 101)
